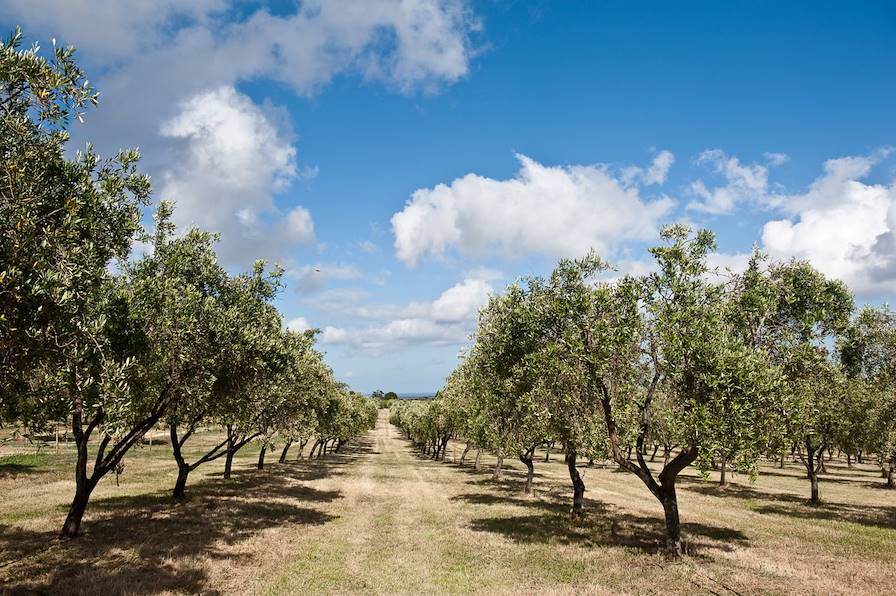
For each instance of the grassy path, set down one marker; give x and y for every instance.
(380, 519)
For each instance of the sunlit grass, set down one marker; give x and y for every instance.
(379, 518)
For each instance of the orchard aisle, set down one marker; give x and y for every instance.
(401, 523)
(395, 526)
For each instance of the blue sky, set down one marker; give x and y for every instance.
(404, 159)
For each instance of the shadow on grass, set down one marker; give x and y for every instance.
(31, 463)
(146, 544)
(855, 477)
(600, 525)
(797, 505)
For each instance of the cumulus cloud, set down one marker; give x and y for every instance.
(231, 161)
(185, 56)
(743, 182)
(842, 225)
(448, 319)
(655, 173)
(298, 324)
(561, 211)
(458, 303)
(171, 49)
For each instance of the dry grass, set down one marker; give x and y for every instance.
(380, 519)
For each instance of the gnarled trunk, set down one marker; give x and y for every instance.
(578, 485)
(463, 455)
(499, 463)
(228, 458)
(83, 487)
(526, 458)
(674, 547)
(812, 470)
(180, 487)
(264, 449)
(282, 459)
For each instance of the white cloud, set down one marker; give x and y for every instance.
(180, 54)
(561, 211)
(333, 335)
(655, 173)
(311, 278)
(448, 319)
(299, 225)
(743, 182)
(298, 324)
(843, 226)
(231, 161)
(308, 173)
(776, 159)
(458, 303)
(368, 246)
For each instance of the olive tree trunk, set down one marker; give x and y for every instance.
(282, 459)
(499, 464)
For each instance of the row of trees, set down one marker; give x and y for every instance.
(116, 346)
(715, 368)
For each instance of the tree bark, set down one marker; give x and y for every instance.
(180, 487)
(228, 459)
(547, 451)
(83, 487)
(261, 453)
(282, 459)
(72, 525)
(526, 458)
(476, 463)
(302, 443)
(812, 471)
(723, 476)
(655, 449)
(674, 547)
(499, 463)
(228, 462)
(463, 455)
(578, 485)
(891, 472)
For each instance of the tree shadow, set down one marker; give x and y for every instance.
(797, 506)
(145, 544)
(602, 526)
(13, 470)
(861, 478)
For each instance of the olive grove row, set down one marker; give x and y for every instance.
(116, 345)
(713, 367)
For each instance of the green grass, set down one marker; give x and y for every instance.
(380, 519)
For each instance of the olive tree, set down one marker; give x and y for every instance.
(868, 353)
(798, 334)
(718, 388)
